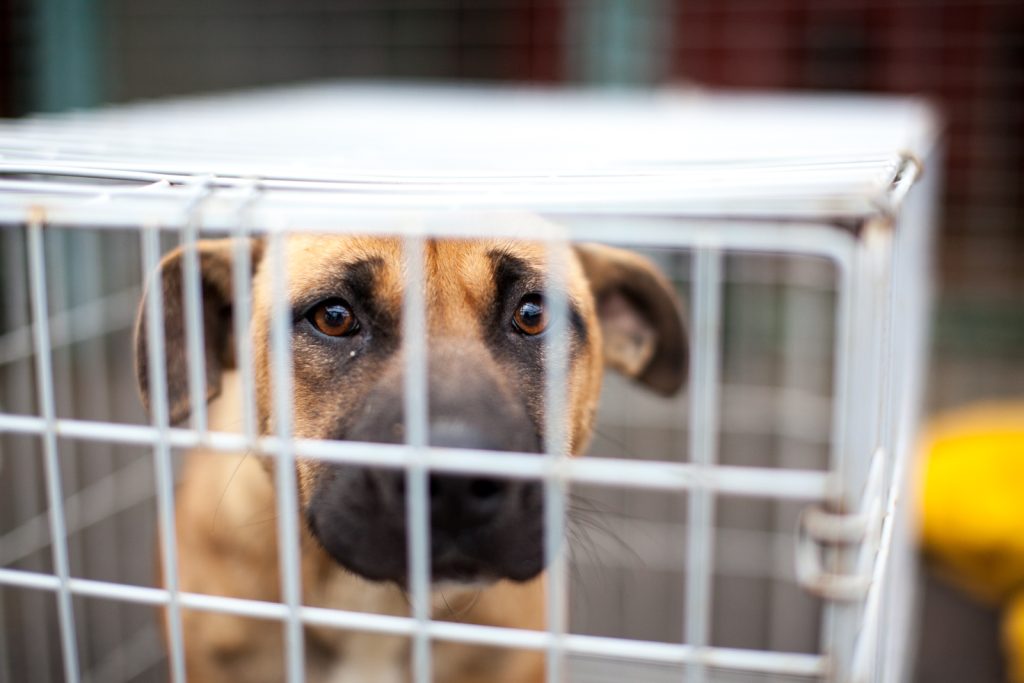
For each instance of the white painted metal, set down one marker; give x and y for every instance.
(162, 454)
(556, 446)
(54, 492)
(711, 175)
(416, 408)
(704, 402)
(284, 467)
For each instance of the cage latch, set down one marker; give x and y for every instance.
(845, 541)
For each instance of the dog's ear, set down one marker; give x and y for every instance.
(215, 274)
(640, 317)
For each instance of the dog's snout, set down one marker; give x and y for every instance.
(481, 526)
(460, 502)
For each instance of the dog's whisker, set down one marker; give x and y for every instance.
(586, 521)
(457, 614)
(405, 596)
(473, 602)
(601, 571)
(447, 605)
(618, 443)
(256, 522)
(224, 493)
(580, 544)
(585, 505)
(578, 501)
(586, 544)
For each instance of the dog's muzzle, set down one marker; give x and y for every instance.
(482, 528)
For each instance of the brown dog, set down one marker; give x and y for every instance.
(486, 320)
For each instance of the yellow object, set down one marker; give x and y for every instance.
(972, 509)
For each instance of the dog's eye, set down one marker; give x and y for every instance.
(530, 316)
(334, 318)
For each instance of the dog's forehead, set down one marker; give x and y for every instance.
(461, 268)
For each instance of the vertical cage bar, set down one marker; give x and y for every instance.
(884, 307)
(859, 443)
(157, 356)
(62, 361)
(287, 498)
(912, 278)
(241, 275)
(33, 632)
(556, 446)
(707, 316)
(194, 311)
(836, 614)
(876, 552)
(54, 492)
(415, 397)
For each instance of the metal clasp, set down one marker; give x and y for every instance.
(820, 531)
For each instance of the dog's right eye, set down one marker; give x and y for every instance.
(530, 317)
(334, 318)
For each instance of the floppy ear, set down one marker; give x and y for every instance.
(215, 274)
(640, 317)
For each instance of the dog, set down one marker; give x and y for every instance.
(486, 319)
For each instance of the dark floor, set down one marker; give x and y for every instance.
(959, 638)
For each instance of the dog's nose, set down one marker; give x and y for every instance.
(458, 502)
(461, 502)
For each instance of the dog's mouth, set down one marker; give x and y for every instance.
(367, 535)
(449, 566)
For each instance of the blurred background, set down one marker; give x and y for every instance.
(966, 56)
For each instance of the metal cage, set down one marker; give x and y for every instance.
(766, 515)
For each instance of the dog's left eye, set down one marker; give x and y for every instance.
(334, 318)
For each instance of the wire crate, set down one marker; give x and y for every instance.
(756, 527)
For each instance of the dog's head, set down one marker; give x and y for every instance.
(486, 324)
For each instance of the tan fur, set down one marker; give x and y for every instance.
(226, 509)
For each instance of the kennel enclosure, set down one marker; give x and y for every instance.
(771, 503)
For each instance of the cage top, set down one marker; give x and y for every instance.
(371, 146)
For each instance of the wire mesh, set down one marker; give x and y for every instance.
(796, 380)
